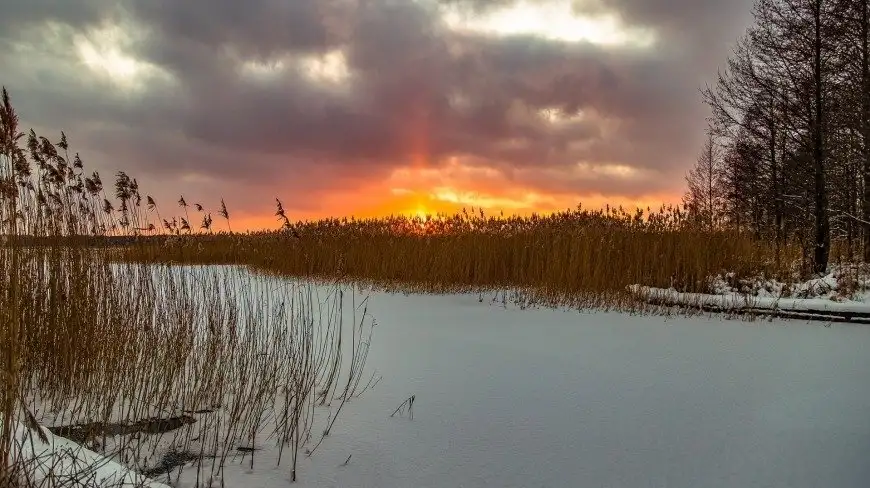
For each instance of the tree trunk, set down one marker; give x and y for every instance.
(710, 175)
(777, 194)
(865, 122)
(822, 224)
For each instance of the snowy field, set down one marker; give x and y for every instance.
(543, 398)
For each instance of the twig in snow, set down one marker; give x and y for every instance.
(407, 403)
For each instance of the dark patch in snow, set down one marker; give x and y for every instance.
(82, 433)
(170, 461)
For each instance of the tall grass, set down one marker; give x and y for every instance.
(578, 256)
(146, 363)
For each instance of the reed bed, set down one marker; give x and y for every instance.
(577, 257)
(152, 366)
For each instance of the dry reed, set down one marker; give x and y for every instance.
(578, 257)
(149, 365)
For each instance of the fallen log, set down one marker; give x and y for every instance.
(737, 304)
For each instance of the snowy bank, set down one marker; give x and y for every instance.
(842, 294)
(736, 302)
(842, 283)
(62, 462)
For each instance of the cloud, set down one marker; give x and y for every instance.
(311, 98)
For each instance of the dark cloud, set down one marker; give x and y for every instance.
(258, 28)
(693, 16)
(23, 14)
(415, 90)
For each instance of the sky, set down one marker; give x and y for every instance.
(374, 107)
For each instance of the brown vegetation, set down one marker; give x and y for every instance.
(122, 347)
(578, 257)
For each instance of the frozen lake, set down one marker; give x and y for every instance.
(544, 398)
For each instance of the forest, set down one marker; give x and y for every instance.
(787, 157)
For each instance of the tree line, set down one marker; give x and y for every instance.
(787, 157)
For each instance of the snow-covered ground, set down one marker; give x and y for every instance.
(547, 398)
(842, 283)
(731, 301)
(843, 292)
(55, 461)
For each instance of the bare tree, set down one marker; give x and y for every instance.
(776, 107)
(705, 196)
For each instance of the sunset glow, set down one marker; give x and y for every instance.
(423, 205)
(416, 191)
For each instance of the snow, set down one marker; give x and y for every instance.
(845, 289)
(549, 398)
(516, 398)
(735, 301)
(66, 463)
(842, 283)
